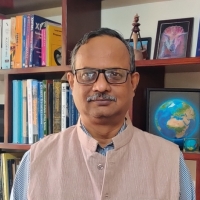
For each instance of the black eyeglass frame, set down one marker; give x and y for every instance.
(102, 71)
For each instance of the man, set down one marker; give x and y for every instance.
(103, 156)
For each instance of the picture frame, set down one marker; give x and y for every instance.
(173, 38)
(146, 42)
(173, 113)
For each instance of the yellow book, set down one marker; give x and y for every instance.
(18, 46)
(53, 45)
(5, 157)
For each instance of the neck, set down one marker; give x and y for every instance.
(102, 132)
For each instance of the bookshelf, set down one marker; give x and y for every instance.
(78, 17)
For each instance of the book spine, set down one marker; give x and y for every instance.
(28, 31)
(35, 110)
(31, 41)
(50, 107)
(16, 122)
(56, 106)
(63, 106)
(41, 111)
(24, 40)
(43, 48)
(20, 108)
(6, 43)
(30, 111)
(18, 46)
(12, 42)
(25, 113)
(45, 107)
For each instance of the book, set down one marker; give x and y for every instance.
(37, 23)
(198, 43)
(30, 110)
(53, 45)
(35, 109)
(5, 157)
(16, 111)
(27, 47)
(64, 106)
(6, 34)
(12, 42)
(18, 46)
(56, 106)
(24, 113)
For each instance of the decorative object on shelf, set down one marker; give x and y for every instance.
(140, 53)
(173, 38)
(191, 145)
(198, 43)
(173, 113)
(146, 44)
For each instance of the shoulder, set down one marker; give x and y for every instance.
(155, 142)
(51, 142)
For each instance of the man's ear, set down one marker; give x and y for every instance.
(70, 78)
(135, 77)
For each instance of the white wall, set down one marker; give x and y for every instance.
(121, 19)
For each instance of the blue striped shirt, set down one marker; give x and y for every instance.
(20, 186)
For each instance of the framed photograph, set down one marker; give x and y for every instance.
(173, 38)
(174, 113)
(146, 43)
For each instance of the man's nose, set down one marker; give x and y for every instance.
(101, 85)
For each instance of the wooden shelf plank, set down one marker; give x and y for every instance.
(19, 6)
(191, 156)
(168, 62)
(14, 146)
(32, 70)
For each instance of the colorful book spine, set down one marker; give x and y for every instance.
(18, 46)
(50, 106)
(35, 110)
(28, 32)
(64, 106)
(30, 110)
(16, 111)
(56, 106)
(24, 40)
(6, 32)
(198, 43)
(43, 47)
(41, 110)
(53, 45)
(45, 107)
(24, 113)
(12, 42)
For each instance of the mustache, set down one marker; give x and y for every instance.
(101, 96)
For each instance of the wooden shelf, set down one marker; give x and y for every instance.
(24, 147)
(191, 64)
(19, 6)
(191, 156)
(35, 70)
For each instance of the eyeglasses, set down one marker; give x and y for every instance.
(112, 75)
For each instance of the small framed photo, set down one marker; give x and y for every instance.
(173, 38)
(174, 113)
(143, 42)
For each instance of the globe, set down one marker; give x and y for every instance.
(176, 119)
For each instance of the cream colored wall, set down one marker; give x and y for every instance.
(120, 19)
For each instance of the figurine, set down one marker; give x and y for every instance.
(140, 54)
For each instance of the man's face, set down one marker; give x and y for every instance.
(103, 52)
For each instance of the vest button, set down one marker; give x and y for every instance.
(100, 167)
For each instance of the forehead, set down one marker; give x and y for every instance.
(103, 52)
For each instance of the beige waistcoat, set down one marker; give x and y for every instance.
(142, 166)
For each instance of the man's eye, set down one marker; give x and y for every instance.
(88, 75)
(115, 75)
